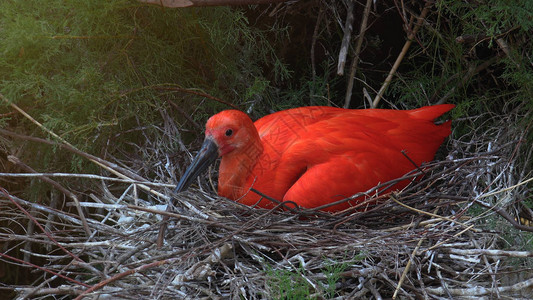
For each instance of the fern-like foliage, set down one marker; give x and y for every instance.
(89, 70)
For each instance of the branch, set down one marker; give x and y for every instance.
(491, 252)
(3, 255)
(13, 159)
(191, 3)
(400, 57)
(111, 167)
(479, 290)
(348, 27)
(355, 61)
(7, 195)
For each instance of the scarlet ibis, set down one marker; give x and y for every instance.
(316, 155)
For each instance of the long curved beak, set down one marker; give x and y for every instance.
(205, 157)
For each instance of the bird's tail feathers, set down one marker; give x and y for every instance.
(430, 113)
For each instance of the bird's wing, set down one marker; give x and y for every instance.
(330, 158)
(342, 176)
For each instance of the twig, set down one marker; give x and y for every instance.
(509, 188)
(59, 187)
(34, 121)
(480, 290)
(400, 57)
(29, 231)
(467, 75)
(124, 274)
(490, 252)
(447, 239)
(406, 226)
(355, 60)
(169, 87)
(201, 269)
(87, 176)
(43, 269)
(54, 197)
(505, 215)
(407, 267)
(3, 191)
(348, 27)
(313, 42)
(63, 290)
(393, 197)
(113, 168)
(191, 3)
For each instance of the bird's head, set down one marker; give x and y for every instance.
(230, 130)
(227, 133)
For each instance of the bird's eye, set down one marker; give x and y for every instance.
(229, 132)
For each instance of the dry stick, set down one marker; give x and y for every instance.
(162, 231)
(80, 212)
(406, 46)
(406, 226)
(509, 188)
(33, 120)
(54, 197)
(114, 168)
(104, 164)
(489, 267)
(313, 42)
(428, 213)
(446, 240)
(355, 60)
(348, 27)
(467, 75)
(6, 193)
(193, 252)
(491, 252)
(195, 271)
(29, 232)
(407, 267)
(191, 3)
(103, 283)
(37, 288)
(479, 290)
(62, 290)
(58, 186)
(61, 214)
(111, 167)
(505, 215)
(43, 269)
(86, 176)
(168, 87)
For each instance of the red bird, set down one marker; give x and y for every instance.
(316, 155)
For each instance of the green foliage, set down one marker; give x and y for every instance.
(293, 284)
(288, 284)
(492, 17)
(493, 68)
(511, 239)
(88, 70)
(333, 270)
(309, 91)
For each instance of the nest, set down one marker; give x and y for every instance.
(442, 237)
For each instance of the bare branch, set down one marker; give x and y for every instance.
(191, 3)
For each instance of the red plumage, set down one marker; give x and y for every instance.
(317, 155)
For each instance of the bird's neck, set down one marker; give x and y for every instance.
(236, 168)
